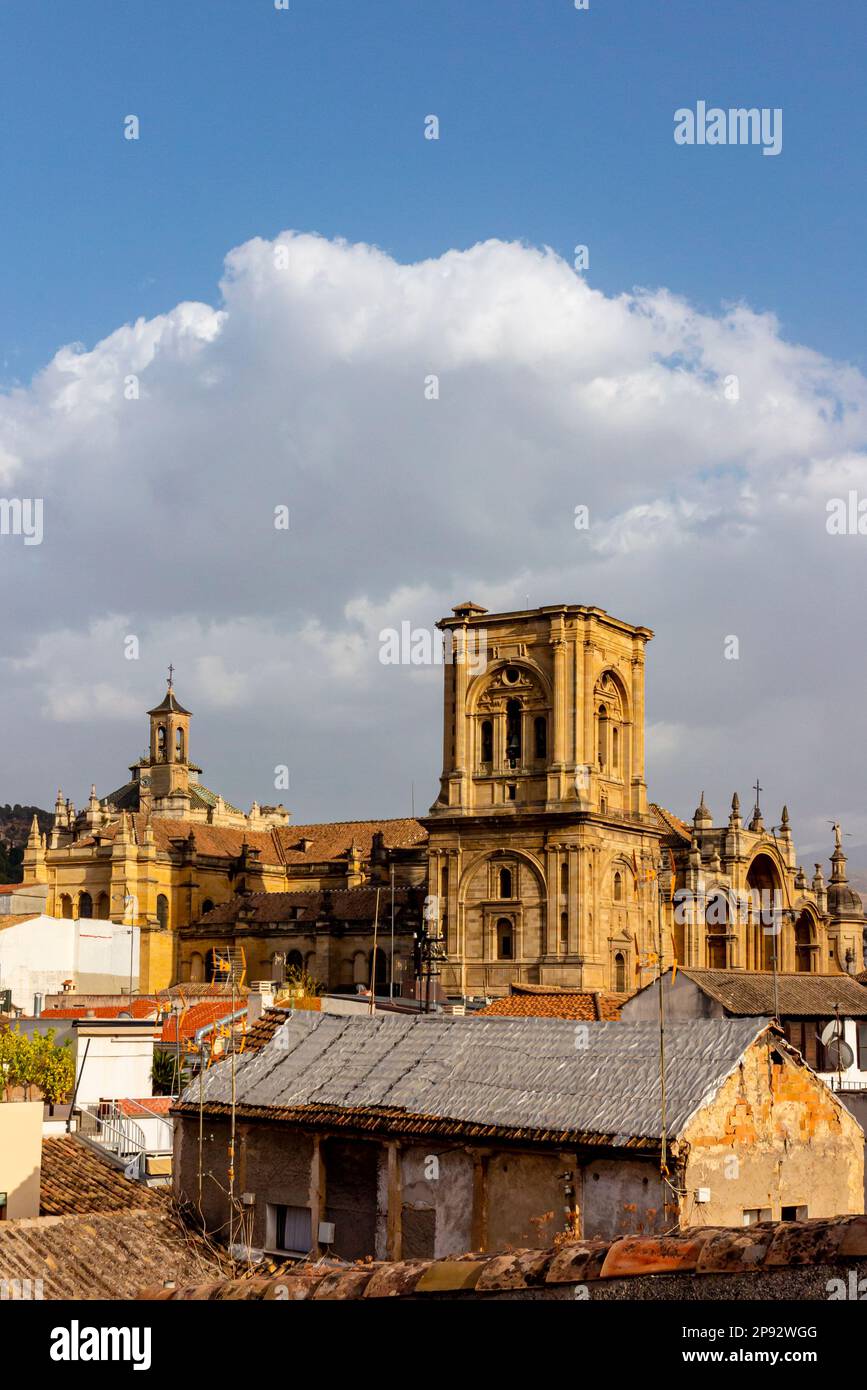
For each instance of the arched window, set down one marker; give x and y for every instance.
(65, 905)
(85, 905)
(505, 940)
(207, 906)
(619, 973)
(162, 910)
(618, 887)
(513, 732)
(295, 961)
(716, 918)
(505, 883)
(540, 730)
(179, 745)
(103, 907)
(379, 968)
(161, 743)
(217, 966)
(804, 945)
(487, 754)
(197, 967)
(564, 883)
(564, 931)
(602, 737)
(615, 748)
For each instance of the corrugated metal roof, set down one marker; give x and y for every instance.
(528, 1074)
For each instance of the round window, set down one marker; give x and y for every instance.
(512, 675)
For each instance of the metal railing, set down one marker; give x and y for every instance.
(116, 1133)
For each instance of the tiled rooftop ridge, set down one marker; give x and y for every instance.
(770, 1245)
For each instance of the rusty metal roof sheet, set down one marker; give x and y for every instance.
(534, 1075)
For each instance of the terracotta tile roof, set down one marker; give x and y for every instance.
(263, 1030)
(332, 839)
(590, 1005)
(677, 830)
(151, 1105)
(188, 1023)
(217, 841)
(750, 994)
(139, 1009)
(76, 1179)
(109, 1255)
(752, 1251)
(11, 919)
(329, 840)
(342, 904)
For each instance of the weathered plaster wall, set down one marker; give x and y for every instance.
(773, 1136)
(624, 1197)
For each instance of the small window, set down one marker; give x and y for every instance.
(179, 745)
(615, 747)
(862, 1046)
(618, 888)
(564, 882)
(793, 1213)
(289, 1230)
(602, 753)
(619, 973)
(505, 941)
(487, 741)
(564, 931)
(511, 791)
(540, 732)
(85, 905)
(752, 1215)
(511, 675)
(162, 910)
(505, 883)
(207, 906)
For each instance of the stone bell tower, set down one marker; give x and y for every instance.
(165, 774)
(540, 840)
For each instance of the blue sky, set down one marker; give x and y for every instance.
(303, 387)
(556, 128)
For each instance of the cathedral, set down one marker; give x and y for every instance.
(541, 862)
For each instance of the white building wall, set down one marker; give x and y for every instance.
(112, 1067)
(38, 954)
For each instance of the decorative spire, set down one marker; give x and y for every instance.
(784, 821)
(702, 819)
(735, 817)
(838, 858)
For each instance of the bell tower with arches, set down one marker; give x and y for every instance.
(542, 789)
(166, 771)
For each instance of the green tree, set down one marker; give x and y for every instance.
(53, 1067)
(165, 1073)
(36, 1061)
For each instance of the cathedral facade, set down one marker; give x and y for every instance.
(546, 861)
(542, 860)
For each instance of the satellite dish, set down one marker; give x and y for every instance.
(832, 1030)
(839, 1056)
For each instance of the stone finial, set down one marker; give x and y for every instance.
(702, 818)
(735, 817)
